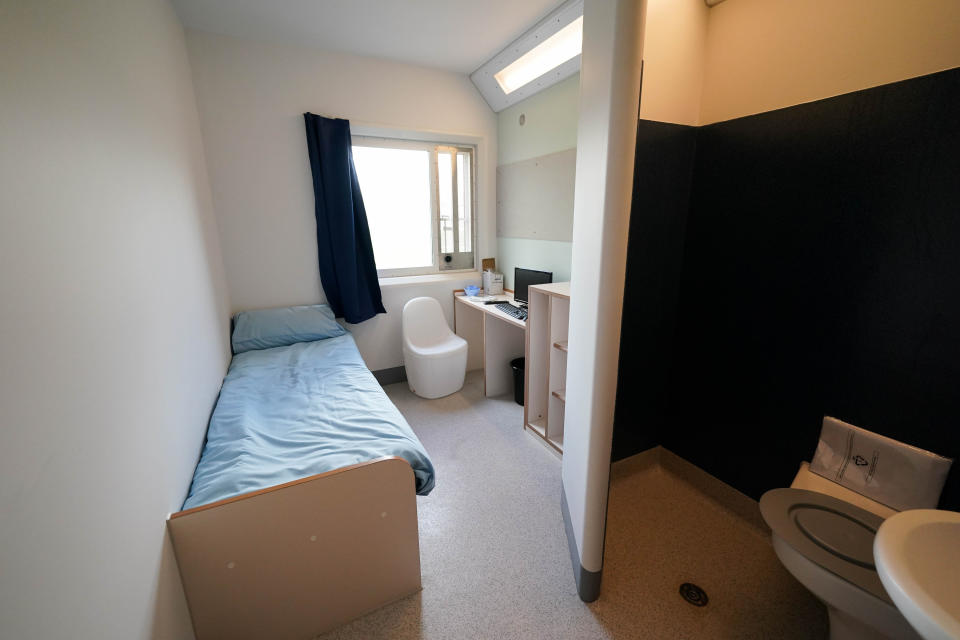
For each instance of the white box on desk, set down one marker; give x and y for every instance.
(492, 283)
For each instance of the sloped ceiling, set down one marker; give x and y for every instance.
(456, 35)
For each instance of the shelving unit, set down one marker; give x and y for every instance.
(545, 393)
(539, 427)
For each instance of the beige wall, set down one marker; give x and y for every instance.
(749, 56)
(674, 47)
(767, 54)
(114, 321)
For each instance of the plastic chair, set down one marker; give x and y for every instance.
(434, 356)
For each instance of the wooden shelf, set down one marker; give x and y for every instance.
(546, 363)
(539, 427)
(557, 441)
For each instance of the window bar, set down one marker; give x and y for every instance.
(454, 201)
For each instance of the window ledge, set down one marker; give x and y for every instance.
(406, 281)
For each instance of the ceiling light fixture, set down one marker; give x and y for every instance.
(544, 55)
(549, 54)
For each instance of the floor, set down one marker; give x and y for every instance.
(494, 554)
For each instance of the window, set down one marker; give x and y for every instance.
(419, 198)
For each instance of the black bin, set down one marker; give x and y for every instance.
(517, 366)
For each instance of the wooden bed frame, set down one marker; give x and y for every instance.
(298, 559)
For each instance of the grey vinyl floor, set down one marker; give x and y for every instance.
(494, 556)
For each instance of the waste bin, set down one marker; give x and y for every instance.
(517, 366)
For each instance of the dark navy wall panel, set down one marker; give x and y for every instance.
(821, 275)
(663, 172)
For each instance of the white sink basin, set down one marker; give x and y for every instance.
(917, 554)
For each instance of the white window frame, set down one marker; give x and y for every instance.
(434, 147)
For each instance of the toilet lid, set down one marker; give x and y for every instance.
(835, 534)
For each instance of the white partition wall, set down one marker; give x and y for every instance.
(609, 94)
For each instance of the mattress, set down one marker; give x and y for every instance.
(295, 411)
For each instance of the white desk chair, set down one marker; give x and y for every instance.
(435, 357)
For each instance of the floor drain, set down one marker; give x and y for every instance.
(694, 594)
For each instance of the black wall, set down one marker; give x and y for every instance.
(662, 180)
(820, 275)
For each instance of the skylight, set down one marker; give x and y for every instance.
(549, 54)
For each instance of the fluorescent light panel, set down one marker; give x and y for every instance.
(549, 54)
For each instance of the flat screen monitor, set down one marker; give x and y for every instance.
(523, 278)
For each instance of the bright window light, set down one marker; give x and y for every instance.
(419, 202)
(395, 184)
(549, 54)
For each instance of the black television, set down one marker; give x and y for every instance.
(523, 278)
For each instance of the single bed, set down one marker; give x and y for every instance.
(295, 411)
(302, 511)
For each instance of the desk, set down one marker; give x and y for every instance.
(493, 339)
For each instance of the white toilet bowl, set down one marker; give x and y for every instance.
(826, 542)
(434, 356)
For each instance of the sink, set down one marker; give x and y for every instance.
(917, 554)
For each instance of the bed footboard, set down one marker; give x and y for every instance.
(298, 559)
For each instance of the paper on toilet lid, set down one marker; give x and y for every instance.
(891, 472)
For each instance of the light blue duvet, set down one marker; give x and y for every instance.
(295, 411)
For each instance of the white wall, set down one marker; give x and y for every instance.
(550, 125)
(768, 54)
(252, 97)
(113, 326)
(606, 140)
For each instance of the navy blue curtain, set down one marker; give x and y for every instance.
(347, 269)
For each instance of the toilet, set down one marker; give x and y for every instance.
(435, 357)
(823, 533)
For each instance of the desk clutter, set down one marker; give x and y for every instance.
(492, 283)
